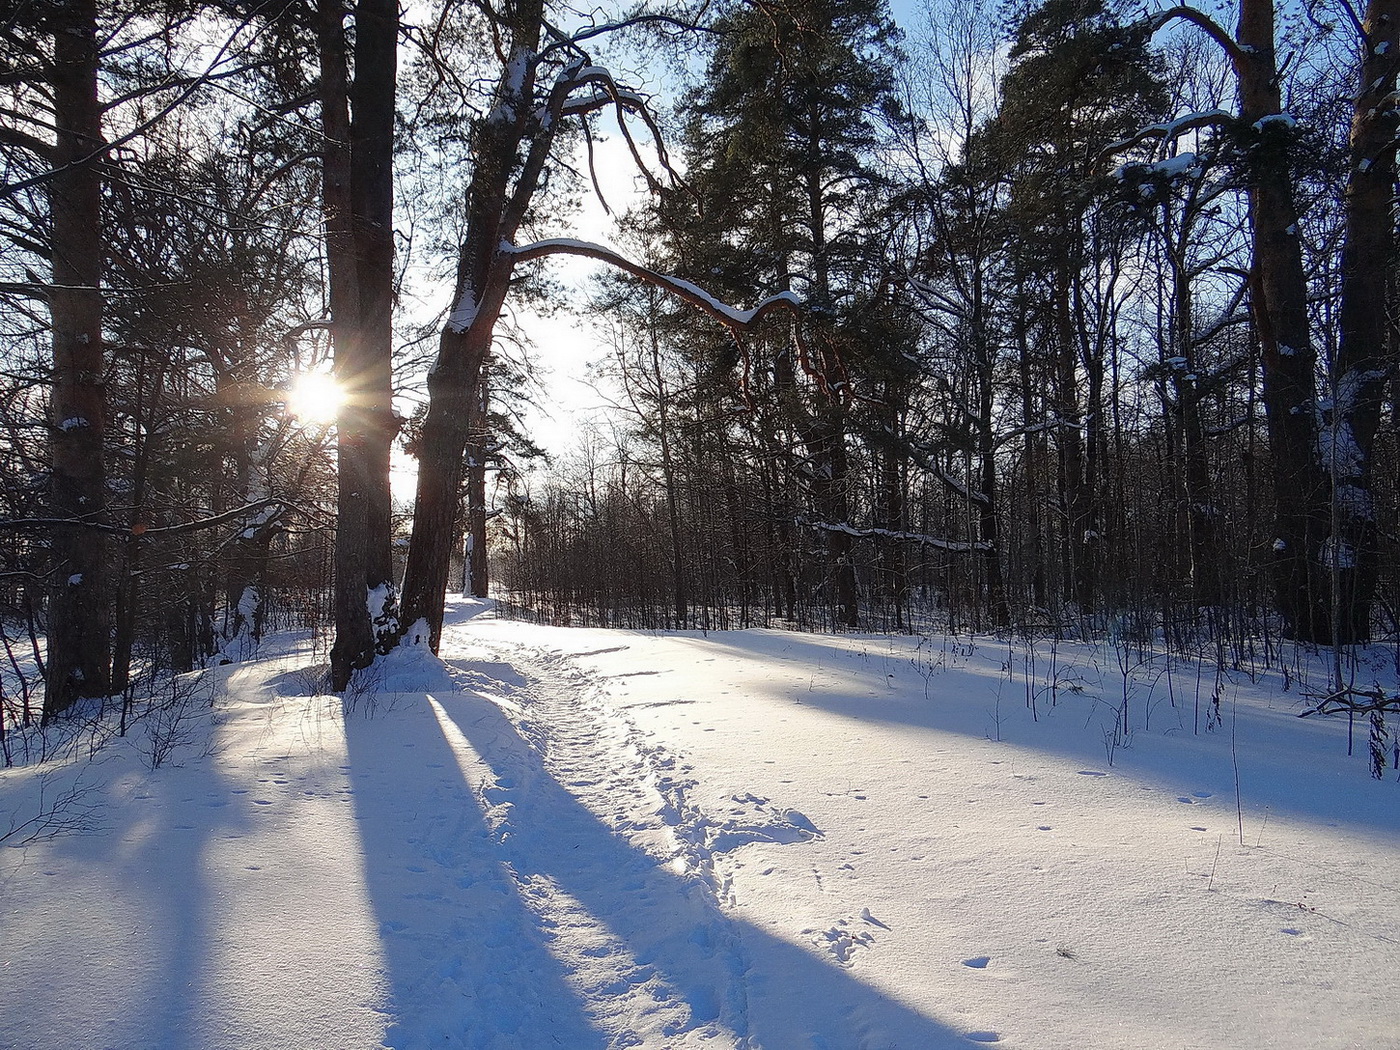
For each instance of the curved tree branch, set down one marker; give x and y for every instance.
(736, 320)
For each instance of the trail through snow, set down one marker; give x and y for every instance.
(751, 841)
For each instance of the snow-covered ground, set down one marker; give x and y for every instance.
(590, 839)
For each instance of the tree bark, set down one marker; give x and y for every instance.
(79, 613)
(358, 194)
(497, 198)
(1278, 302)
(1366, 354)
(1076, 487)
(478, 580)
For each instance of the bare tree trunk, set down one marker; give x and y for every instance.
(1075, 484)
(79, 614)
(358, 189)
(497, 198)
(834, 504)
(1203, 540)
(478, 582)
(892, 501)
(1366, 356)
(442, 450)
(679, 597)
(1279, 304)
(1035, 456)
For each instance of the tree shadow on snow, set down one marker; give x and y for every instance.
(129, 960)
(1285, 764)
(646, 941)
(468, 965)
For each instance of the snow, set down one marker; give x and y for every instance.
(760, 839)
(1183, 164)
(248, 602)
(379, 599)
(512, 85)
(463, 312)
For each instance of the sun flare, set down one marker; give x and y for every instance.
(315, 397)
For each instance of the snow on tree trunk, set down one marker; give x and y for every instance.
(1366, 354)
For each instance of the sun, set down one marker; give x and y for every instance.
(315, 397)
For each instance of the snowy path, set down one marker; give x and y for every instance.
(756, 841)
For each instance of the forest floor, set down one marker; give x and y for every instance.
(595, 839)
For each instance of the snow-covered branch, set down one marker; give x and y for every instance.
(1168, 131)
(574, 38)
(733, 318)
(605, 91)
(924, 540)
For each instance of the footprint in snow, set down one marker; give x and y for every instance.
(759, 823)
(984, 1037)
(799, 819)
(977, 962)
(1092, 773)
(841, 941)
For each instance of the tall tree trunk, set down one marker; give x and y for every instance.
(834, 505)
(1075, 485)
(358, 188)
(679, 597)
(1035, 456)
(892, 500)
(1202, 515)
(442, 450)
(79, 614)
(1366, 356)
(497, 198)
(478, 582)
(1278, 302)
(1279, 305)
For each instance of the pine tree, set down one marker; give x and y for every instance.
(1079, 81)
(781, 141)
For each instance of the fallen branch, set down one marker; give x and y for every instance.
(1355, 702)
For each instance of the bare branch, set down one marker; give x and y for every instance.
(1202, 21)
(44, 524)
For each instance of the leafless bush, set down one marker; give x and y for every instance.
(175, 716)
(57, 811)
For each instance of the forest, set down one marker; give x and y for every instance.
(1073, 319)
